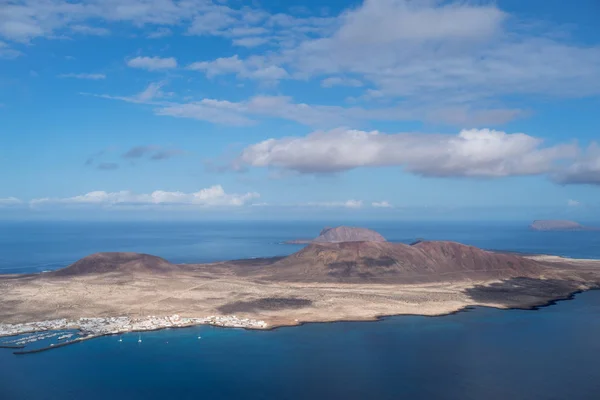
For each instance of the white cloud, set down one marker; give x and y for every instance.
(252, 41)
(32, 18)
(340, 81)
(90, 30)
(149, 95)
(251, 68)
(152, 63)
(353, 204)
(456, 53)
(213, 22)
(389, 21)
(246, 31)
(83, 76)
(431, 53)
(215, 111)
(7, 52)
(241, 113)
(244, 25)
(584, 170)
(152, 91)
(18, 30)
(214, 196)
(573, 203)
(320, 116)
(471, 153)
(453, 62)
(28, 19)
(9, 201)
(159, 33)
(381, 204)
(224, 65)
(463, 116)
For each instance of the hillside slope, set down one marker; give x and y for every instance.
(396, 262)
(130, 263)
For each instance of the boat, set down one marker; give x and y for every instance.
(67, 336)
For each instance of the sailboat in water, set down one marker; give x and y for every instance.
(140, 335)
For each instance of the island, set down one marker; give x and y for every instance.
(558, 225)
(342, 234)
(114, 293)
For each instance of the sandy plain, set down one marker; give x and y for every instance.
(216, 289)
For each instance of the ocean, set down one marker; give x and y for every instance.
(481, 353)
(27, 247)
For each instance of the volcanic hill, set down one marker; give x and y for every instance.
(125, 263)
(342, 234)
(386, 262)
(341, 254)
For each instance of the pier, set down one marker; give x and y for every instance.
(11, 346)
(54, 346)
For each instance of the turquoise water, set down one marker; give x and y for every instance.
(483, 353)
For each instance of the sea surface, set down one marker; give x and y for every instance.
(482, 353)
(27, 247)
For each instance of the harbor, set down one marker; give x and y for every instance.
(67, 332)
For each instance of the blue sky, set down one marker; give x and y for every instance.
(376, 109)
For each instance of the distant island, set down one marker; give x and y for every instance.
(558, 225)
(342, 234)
(345, 274)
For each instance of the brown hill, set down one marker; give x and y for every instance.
(397, 262)
(348, 234)
(342, 234)
(101, 263)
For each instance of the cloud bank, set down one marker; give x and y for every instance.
(585, 170)
(9, 201)
(214, 196)
(471, 153)
(452, 62)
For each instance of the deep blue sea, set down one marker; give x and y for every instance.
(551, 353)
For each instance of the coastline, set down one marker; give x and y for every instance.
(125, 302)
(466, 308)
(21, 350)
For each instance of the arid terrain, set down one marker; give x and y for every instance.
(322, 282)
